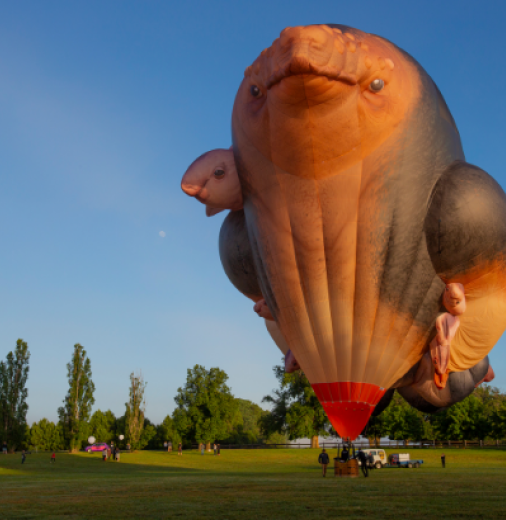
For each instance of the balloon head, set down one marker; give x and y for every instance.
(454, 299)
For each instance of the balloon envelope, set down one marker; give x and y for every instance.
(339, 139)
(91, 439)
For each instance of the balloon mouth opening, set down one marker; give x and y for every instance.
(348, 405)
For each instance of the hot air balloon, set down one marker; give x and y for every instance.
(358, 210)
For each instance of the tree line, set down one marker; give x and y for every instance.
(297, 413)
(207, 412)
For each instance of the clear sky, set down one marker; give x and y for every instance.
(103, 105)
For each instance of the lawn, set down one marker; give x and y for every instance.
(244, 484)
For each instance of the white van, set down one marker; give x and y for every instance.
(379, 457)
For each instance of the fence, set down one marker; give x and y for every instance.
(433, 444)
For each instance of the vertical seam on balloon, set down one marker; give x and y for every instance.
(355, 273)
(345, 66)
(394, 319)
(322, 228)
(261, 271)
(427, 334)
(391, 227)
(323, 246)
(421, 246)
(377, 303)
(264, 280)
(400, 297)
(298, 265)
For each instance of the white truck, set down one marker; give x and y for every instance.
(379, 457)
(396, 460)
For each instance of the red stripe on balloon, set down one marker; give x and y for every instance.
(345, 390)
(348, 405)
(334, 390)
(325, 391)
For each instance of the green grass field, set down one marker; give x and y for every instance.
(244, 484)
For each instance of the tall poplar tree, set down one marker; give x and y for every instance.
(13, 394)
(134, 416)
(76, 409)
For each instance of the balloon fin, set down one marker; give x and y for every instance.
(213, 211)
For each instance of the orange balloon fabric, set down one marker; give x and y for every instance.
(359, 208)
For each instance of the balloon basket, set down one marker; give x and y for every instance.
(346, 469)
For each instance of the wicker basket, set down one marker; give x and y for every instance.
(346, 469)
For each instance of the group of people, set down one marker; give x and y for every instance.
(114, 452)
(364, 459)
(216, 448)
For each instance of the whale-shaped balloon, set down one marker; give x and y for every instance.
(359, 208)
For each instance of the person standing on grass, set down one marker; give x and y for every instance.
(443, 459)
(104, 455)
(23, 457)
(4, 448)
(202, 449)
(370, 461)
(323, 459)
(219, 448)
(180, 448)
(362, 457)
(117, 454)
(53, 458)
(215, 448)
(344, 454)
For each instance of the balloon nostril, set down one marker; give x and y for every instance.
(190, 189)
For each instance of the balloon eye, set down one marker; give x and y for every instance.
(376, 85)
(219, 174)
(255, 91)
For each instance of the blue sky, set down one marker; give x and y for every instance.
(103, 105)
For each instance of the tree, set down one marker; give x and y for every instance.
(13, 394)
(478, 416)
(135, 408)
(465, 420)
(76, 410)
(243, 427)
(401, 421)
(204, 406)
(498, 422)
(296, 410)
(165, 432)
(375, 429)
(103, 426)
(148, 434)
(46, 435)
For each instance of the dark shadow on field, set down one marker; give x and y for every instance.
(68, 465)
(79, 466)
